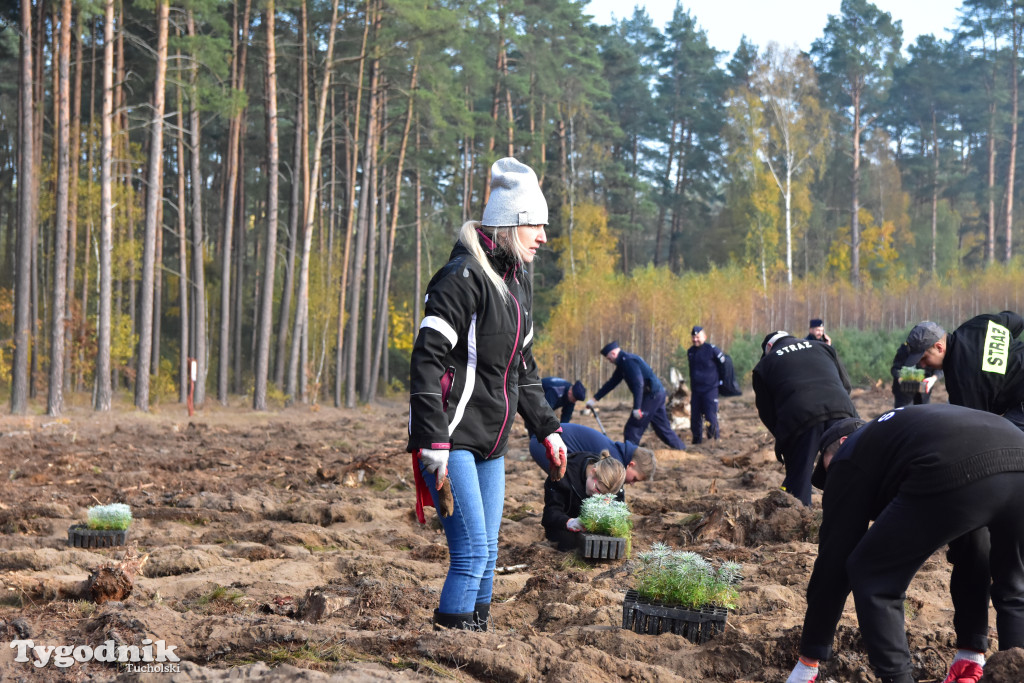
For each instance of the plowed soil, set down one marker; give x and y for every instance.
(284, 546)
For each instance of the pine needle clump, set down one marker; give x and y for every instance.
(116, 516)
(602, 514)
(685, 579)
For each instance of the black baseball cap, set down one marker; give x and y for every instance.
(921, 338)
(835, 431)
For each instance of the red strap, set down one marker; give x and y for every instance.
(423, 498)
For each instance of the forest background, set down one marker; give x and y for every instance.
(266, 187)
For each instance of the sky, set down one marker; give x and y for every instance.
(787, 22)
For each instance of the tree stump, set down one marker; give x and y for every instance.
(112, 581)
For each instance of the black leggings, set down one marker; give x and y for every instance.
(905, 535)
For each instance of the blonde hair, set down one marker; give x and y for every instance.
(610, 473)
(646, 464)
(506, 238)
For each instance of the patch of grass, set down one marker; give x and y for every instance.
(378, 484)
(220, 594)
(11, 598)
(523, 511)
(193, 521)
(573, 561)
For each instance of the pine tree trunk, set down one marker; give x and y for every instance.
(76, 132)
(300, 334)
(198, 236)
(231, 180)
(154, 196)
(347, 263)
(270, 249)
(59, 312)
(26, 219)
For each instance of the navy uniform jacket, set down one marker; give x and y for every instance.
(583, 439)
(913, 450)
(984, 363)
(556, 393)
(797, 385)
(706, 363)
(638, 375)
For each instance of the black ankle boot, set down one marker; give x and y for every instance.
(482, 615)
(465, 621)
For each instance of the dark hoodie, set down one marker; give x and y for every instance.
(472, 366)
(563, 500)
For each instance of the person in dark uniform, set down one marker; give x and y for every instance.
(816, 331)
(586, 474)
(800, 389)
(982, 362)
(648, 396)
(926, 475)
(924, 394)
(561, 393)
(639, 462)
(706, 366)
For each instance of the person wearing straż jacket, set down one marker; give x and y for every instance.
(982, 361)
(648, 396)
(925, 475)
(561, 393)
(586, 474)
(706, 365)
(983, 366)
(472, 370)
(902, 398)
(800, 389)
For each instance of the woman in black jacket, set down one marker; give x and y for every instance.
(586, 474)
(472, 371)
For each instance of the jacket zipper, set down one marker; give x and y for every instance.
(511, 359)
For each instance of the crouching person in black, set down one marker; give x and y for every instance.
(586, 474)
(926, 475)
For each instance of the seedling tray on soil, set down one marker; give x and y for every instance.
(596, 547)
(81, 536)
(910, 387)
(697, 626)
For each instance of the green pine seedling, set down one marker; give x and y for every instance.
(684, 579)
(602, 514)
(116, 516)
(909, 373)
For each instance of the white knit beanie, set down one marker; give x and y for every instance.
(515, 198)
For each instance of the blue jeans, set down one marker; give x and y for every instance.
(478, 488)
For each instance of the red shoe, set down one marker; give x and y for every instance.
(964, 671)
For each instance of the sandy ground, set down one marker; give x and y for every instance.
(284, 546)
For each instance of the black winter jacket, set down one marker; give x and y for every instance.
(984, 363)
(798, 384)
(472, 365)
(923, 449)
(563, 500)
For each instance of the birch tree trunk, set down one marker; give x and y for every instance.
(198, 236)
(103, 391)
(184, 336)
